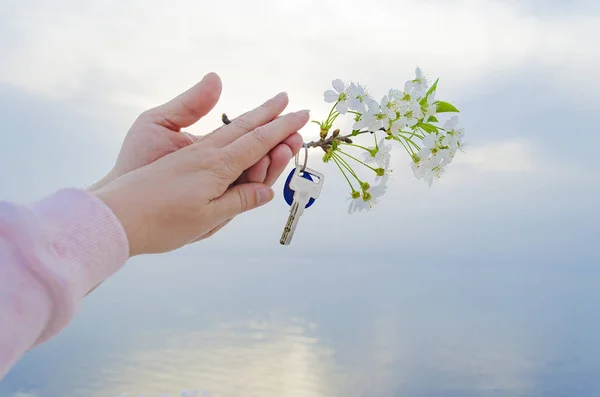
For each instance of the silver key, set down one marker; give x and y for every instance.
(304, 189)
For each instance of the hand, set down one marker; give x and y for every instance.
(158, 132)
(180, 197)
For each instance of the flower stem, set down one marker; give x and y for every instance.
(410, 152)
(410, 142)
(343, 173)
(412, 133)
(355, 145)
(355, 159)
(347, 166)
(328, 122)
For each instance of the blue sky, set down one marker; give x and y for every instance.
(74, 75)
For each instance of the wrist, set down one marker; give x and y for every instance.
(108, 178)
(125, 211)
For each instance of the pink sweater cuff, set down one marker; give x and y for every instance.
(82, 244)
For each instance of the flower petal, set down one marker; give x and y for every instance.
(429, 141)
(338, 85)
(331, 96)
(418, 73)
(360, 124)
(372, 105)
(342, 107)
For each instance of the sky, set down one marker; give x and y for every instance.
(75, 75)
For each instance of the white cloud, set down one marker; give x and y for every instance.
(260, 48)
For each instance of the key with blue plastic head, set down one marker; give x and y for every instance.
(304, 189)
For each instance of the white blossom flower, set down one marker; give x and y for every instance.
(371, 119)
(356, 97)
(431, 107)
(426, 169)
(431, 160)
(338, 95)
(435, 173)
(388, 108)
(433, 149)
(358, 205)
(382, 157)
(399, 124)
(415, 111)
(454, 136)
(419, 84)
(451, 124)
(397, 94)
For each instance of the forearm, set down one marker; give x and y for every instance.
(52, 254)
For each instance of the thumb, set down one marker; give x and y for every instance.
(241, 198)
(189, 106)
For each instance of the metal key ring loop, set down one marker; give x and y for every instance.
(305, 157)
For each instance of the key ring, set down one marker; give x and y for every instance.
(305, 157)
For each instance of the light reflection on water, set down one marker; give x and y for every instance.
(306, 330)
(255, 358)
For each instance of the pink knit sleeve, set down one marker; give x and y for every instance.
(52, 253)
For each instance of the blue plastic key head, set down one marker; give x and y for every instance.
(288, 194)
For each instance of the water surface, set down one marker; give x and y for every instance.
(308, 327)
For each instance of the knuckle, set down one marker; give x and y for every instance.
(242, 123)
(147, 115)
(189, 109)
(259, 134)
(244, 202)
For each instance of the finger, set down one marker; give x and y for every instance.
(247, 122)
(247, 150)
(258, 172)
(281, 156)
(190, 106)
(241, 198)
(191, 138)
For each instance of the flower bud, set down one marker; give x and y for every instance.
(336, 133)
(347, 140)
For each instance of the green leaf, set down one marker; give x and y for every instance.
(443, 107)
(315, 121)
(423, 101)
(334, 144)
(432, 88)
(427, 127)
(432, 119)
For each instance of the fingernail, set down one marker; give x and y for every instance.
(282, 94)
(264, 195)
(303, 112)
